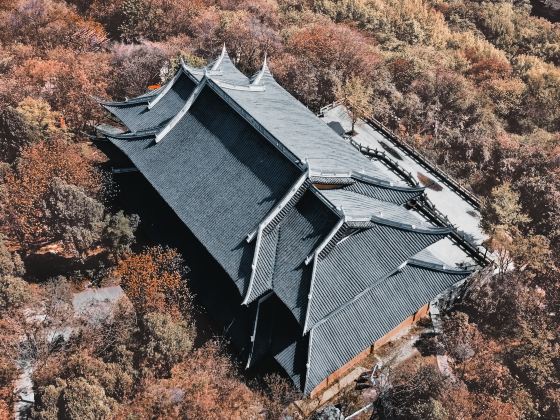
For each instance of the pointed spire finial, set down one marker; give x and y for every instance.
(217, 63)
(264, 69)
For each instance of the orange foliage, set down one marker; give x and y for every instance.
(204, 386)
(318, 58)
(328, 44)
(66, 80)
(153, 280)
(26, 186)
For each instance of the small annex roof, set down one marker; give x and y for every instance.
(154, 109)
(137, 116)
(338, 338)
(361, 259)
(280, 265)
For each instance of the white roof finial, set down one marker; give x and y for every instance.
(220, 58)
(260, 74)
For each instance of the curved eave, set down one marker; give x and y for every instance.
(127, 136)
(410, 228)
(386, 184)
(348, 178)
(438, 267)
(133, 101)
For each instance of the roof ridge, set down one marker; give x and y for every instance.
(315, 257)
(436, 267)
(255, 124)
(220, 58)
(260, 231)
(411, 228)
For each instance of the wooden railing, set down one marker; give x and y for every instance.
(479, 253)
(382, 155)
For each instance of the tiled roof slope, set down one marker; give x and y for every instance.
(236, 162)
(355, 264)
(338, 338)
(217, 174)
(303, 133)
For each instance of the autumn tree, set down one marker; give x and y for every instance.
(134, 68)
(503, 209)
(154, 280)
(166, 342)
(73, 399)
(118, 233)
(15, 134)
(28, 185)
(10, 262)
(317, 58)
(355, 95)
(193, 389)
(72, 217)
(504, 219)
(38, 114)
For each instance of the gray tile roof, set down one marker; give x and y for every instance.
(371, 314)
(356, 263)
(292, 359)
(217, 174)
(236, 159)
(360, 207)
(303, 133)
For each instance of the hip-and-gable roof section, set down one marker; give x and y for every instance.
(287, 208)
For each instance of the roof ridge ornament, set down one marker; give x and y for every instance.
(264, 70)
(218, 62)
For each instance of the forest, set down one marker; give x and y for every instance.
(474, 85)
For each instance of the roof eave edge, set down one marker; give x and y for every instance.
(255, 325)
(308, 363)
(183, 111)
(166, 89)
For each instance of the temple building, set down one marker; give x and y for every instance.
(327, 248)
